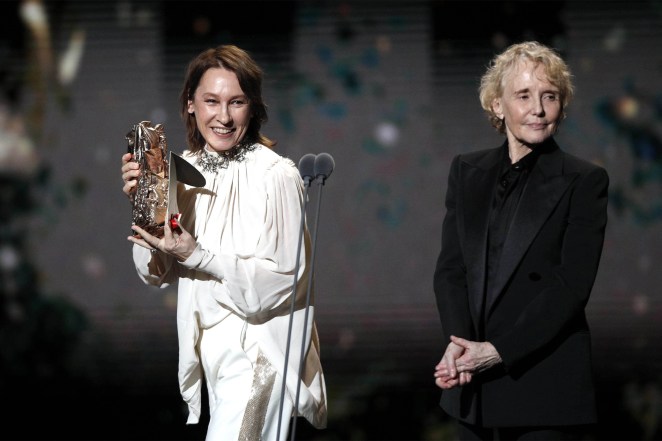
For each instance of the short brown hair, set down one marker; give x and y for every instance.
(248, 73)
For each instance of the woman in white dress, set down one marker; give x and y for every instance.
(233, 257)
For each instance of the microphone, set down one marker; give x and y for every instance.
(323, 167)
(307, 168)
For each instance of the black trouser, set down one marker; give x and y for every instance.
(469, 432)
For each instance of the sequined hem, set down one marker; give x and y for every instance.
(256, 409)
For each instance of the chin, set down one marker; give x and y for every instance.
(221, 148)
(535, 140)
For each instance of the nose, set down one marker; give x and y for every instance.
(538, 108)
(223, 115)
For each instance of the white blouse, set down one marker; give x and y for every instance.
(246, 220)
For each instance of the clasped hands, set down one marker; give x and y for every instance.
(462, 360)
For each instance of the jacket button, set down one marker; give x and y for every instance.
(535, 277)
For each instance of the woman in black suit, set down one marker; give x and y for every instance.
(521, 244)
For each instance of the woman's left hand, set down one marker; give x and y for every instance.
(178, 242)
(476, 356)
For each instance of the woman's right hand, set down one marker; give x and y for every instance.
(130, 174)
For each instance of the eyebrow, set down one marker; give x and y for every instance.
(232, 97)
(527, 90)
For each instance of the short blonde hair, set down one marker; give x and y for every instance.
(492, 82)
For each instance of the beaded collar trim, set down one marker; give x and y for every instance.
(212, 162)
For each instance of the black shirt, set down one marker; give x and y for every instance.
(512, 180)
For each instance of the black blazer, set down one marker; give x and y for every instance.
(535, 315)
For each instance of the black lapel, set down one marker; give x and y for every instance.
(479, 175)
(543, 190)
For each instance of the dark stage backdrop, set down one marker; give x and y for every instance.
(389, 89)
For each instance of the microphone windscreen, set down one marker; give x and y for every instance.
(324, 164)
(307, 166)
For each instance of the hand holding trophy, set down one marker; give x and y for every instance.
(150, 174)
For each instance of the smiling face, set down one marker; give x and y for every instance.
(222, 110)
(529, 105)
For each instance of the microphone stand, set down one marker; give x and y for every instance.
(305, 169)
(324, 161)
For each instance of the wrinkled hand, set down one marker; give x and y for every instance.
(446, 373)
(178, 243)
(477, 356)
(130, 174)
(462, 359)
